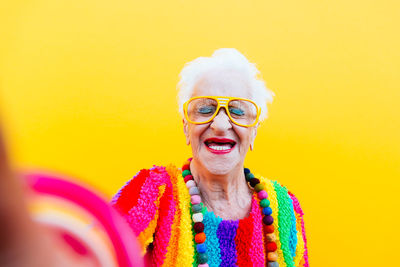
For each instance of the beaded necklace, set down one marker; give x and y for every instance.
(197, 217)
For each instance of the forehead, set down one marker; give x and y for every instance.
(223, 83)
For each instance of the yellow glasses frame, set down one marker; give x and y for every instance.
(223, 102)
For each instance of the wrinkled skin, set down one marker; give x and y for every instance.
(219, 176)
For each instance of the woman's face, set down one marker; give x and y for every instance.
(220, 146)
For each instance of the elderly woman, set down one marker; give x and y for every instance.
(213, 211)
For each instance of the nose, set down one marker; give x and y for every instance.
(221, 121)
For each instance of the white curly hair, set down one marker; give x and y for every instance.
(223, 59)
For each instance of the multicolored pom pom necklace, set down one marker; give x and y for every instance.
(197, 217)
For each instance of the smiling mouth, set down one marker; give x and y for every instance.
(220, 145)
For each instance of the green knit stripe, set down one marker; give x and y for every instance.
(284, 221)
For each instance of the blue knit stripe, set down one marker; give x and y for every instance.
(211, 223)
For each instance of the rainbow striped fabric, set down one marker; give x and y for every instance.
(156, 203)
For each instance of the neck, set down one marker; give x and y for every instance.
(227, 195)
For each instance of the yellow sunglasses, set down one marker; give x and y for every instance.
(203, 109)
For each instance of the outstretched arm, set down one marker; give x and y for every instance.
(19, 242)
(23, 242)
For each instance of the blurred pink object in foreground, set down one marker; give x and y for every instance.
(81, 226)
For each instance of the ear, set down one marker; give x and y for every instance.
(253, 137)
(186, 131)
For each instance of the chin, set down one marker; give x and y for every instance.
(219, 165)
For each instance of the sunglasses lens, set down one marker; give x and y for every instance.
(242, 112)
(201, 109)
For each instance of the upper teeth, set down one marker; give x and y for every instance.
(220, 147)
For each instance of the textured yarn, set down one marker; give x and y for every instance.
(156, 204)
(269, 186)
(285, 221)
(299, 216)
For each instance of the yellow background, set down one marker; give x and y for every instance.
(88, 88)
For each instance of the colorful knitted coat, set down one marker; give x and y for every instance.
(156, 203)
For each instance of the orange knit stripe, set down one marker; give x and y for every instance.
(183, 250)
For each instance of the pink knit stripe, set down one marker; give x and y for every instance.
(143, 213)
(167, 211)
(256, 251)
(299, 211)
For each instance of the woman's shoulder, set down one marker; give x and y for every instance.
(147, 183)
(288, 220)
(280, 191)
(273, 186)
(280, 196)
(148, 198)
